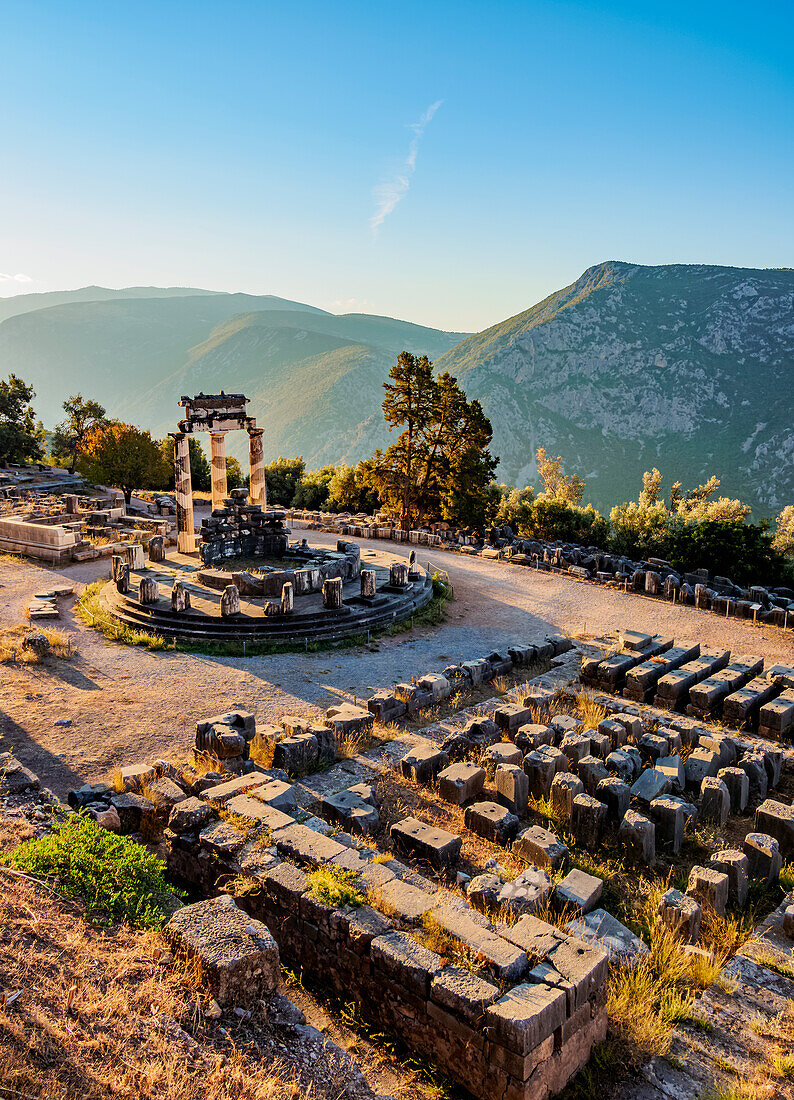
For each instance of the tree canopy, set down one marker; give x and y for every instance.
(440, 465)
(123, 456)
(69, 435)
(21, 435)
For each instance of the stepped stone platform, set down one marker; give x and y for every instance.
(324, 597)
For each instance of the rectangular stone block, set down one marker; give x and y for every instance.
(412, 837)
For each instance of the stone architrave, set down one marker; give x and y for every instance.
(219, 489)
(257, 492)
(185, 531)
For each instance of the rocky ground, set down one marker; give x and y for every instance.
(125, 704)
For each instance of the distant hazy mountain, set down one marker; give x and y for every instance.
(314, 378)
(688, 368)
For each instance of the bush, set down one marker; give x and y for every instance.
(741, 551)
(334, 886)
(557, 519)
(117, 878)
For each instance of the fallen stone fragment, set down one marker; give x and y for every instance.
(238, 956)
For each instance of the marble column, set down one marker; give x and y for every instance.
(185, 532)
(257, 492)
(219, 491)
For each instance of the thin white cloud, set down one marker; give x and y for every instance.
(389, 193)
(15, 278)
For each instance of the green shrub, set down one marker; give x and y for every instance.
(117, 878)
(334, 886)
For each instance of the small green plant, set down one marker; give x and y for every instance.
(334, 886)
(117, 878)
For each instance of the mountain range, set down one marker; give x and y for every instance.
(688, 368)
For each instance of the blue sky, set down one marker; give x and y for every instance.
(449, 163)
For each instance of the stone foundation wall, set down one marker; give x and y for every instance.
(242, 530)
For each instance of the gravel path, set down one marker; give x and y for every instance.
(127, 705)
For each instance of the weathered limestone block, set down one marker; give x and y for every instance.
(709, 888)
(438, 686)
(615, 731)
(738, 784)
(604, 931)
(650, 784)
(423, 763)
(652, 746)
(763, 855)
(588, 818)
(528, 892)
(188, 815)
(578, 891)
(15, 778)
(386, 707)
(460, 783)
(509, 717)
(576, 747)
(736, 866)
(722, 744)
(681, 914)
(164, 793)
(332, 594)
(502, 754)
(637, 835)
(699, 764)
(440, 848)
(754, 767)
(512, 788)
(540, 772)
(180, 597)
(616, 796)
(505, 961)
(621, 764)
(296, 755)
(540, 847)
(670, 819)
(564, 788)
(156, 548)
(237, 955)
(402, 958)
(133, 810)
(483, 892)
(533, 735)
(777, 820)
(715, 801)
(351, 811)
(134, 778)
(673, 768)
(525, 1016)
(491, 821)
(591, 771)
(346, 719)
(464, 994)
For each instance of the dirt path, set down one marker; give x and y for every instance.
(127, 705)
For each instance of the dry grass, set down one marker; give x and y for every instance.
(99, 1016)
(12, 650)
(261, 751)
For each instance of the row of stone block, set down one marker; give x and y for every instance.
(430, 689)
